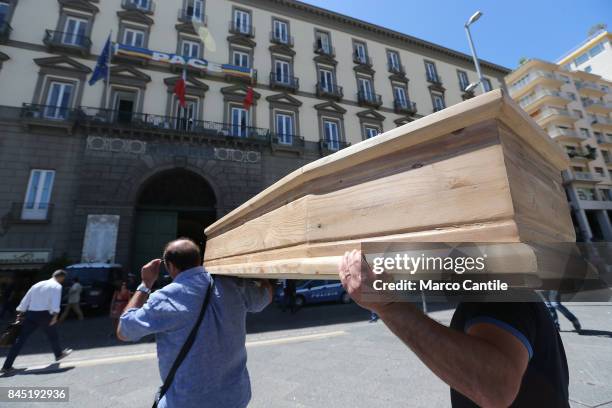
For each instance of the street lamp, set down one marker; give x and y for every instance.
(472, 20)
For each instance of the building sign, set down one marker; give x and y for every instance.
(24, 257)
(196, 63)
(100, 238)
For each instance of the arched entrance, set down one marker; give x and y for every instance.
(173, 203)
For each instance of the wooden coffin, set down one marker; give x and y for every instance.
(478, 171)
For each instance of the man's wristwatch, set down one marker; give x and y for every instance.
(143, 288)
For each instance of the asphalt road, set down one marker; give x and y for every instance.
(326, 356)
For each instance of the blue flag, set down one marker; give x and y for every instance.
(101, 69)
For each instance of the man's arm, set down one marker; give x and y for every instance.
(55, 306)
(136, 302)
(486, 364)
(24, 305)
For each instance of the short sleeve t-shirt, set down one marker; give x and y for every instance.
(545, 382)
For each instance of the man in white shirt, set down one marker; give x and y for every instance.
(39, 308)
(74, 298)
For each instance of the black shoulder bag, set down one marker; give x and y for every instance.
(185, 349)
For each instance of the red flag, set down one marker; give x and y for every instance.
(248, 98)
(180, 89)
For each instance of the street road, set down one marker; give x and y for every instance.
(324, 356)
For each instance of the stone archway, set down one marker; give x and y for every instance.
(171, 203)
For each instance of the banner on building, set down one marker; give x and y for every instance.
(197, 63)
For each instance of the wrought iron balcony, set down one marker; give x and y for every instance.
(244, 29)
(332, 145)
(67, 41)
(321, 49)
(146, 6)
(369, 99)
(31, 111)
(396, 68)
(188, 15)
(30, 212)
(362, 59)
(5, 31)
(403, 106)
(276, 38)
(284, 82)
(332, 91)
(281, 141)
(434, 79)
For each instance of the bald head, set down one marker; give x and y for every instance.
(183, 254)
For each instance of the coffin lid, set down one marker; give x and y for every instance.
(491, 105)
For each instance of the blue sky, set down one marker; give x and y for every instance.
(508, 30)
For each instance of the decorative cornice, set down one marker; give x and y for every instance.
(185, 28)
(437, 87)
(132, 73)
(284, 98)
(330, 106)
(194, 86)
(398, 78)
(325, 59)
(370, 114)
(135, 16)
(403, 120)
(281, 49)
(59, 62)
(364, 69)
(238, 89)
(241, 40)
(82, 5)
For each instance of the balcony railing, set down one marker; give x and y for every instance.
(30, 212)
(528, 100)
(276, 38)
(286, 140)
(369, 98)
(47, 112)
(547, 112)
(67, 40)
(532, 76)
(588, 85)
(604, 139)
(333, 145)
(329, 91)
(583, 176)
(187, 15)
(596, 103)
(284, 81)
(362, 59)
(568, 133)
(321, 49)
(402, 106)
(5, 30)
(146, 6)
(244, 29)
(396, 68)
(434, 79)
(146, 121)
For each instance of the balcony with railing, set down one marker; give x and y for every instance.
(582, 154)
(404, 107)
(30, 213)
(331, 146)
(280, 81)
(397, 69)
(65, 41)
(331, 91)
(532, 79)
(286, 142)
(597, 106)
(434, 79)
(550, 114)
(47, 116)
(277, 38)
(582, 176)
(322, 49)
(590, 88)
(5, 31)
(365, 60)
(568, 135)
(189, 15)
(243, 29)
(603, 123)
(604, 140)
(145, 6)
(542, 96)
(369, 99)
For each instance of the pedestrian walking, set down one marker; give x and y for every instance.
(39, 309)
(202, 318)
(74, 300)
(552, 299)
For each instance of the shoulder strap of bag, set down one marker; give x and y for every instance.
(186, 347)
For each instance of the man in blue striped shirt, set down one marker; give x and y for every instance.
(214, 373)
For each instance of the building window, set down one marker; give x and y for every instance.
(393, 60)
(605, 194)
(241, 59)
(194, 10)
(365, 88)
(323, 43)
(38, 195)
(141, 4)
(572, 96)
(586, 194)
(370, 131)
(282, 71)
(239, 121)
(4, 11)
(431, 72)
(438, 101)
(284, 128)
(187, 116)
(360, 54)
(133, 37)
(190, 49)
(331, 132)
(75, 31)
(242, 21)
(280, 31)
(588, 68)
(597, 48)
(399, 92)
(585, 133)
(581, 59)
(599, 170)
(463, 80)
(326, 80)
(487, 84)
(59, 99)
